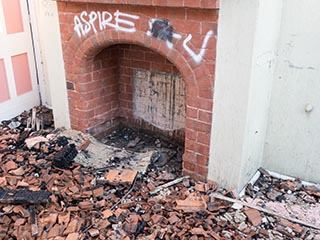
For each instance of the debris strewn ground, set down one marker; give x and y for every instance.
(79, 193)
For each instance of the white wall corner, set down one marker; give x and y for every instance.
(244, 74)
(264, 61)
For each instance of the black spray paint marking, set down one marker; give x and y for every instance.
(162, 29)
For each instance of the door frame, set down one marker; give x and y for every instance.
(37, 52)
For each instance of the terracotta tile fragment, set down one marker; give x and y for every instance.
(55, 231)
(132, 223)
(215, 235)
(50, 218)
(84, 145)
(22, 184)
(102, 224)
(193, 203)
(93, 232)
(18, 172)
(86, 205)
(18, 209)
(313, 191)
(156, 219)
(12, 180)
(289, 185)
(3, 181)
(146, 217)
(74, 189)
(73, 227)
(98, 192)
(73, 236)
(199, 187)
(264, 232)
(10, 165)
(87, 193)
(254, 216)
(173, 219)
(59, 238)
(8, 209)
(24, 232)
(19, 222)
(125, 176)
(5, 220)
(199, 231)
(64, 218)
(20, 158)
(107, 213)
(295, 227)
(120, 211)
(151, 186)
(166, 176)
(101, 203)
(73, 208)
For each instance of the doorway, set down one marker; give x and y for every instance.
(19, 89)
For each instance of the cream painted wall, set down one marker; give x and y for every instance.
(267, 72)
(262, 75)
(293, 138)
(247, 39)
(52, 66)
(233, 67)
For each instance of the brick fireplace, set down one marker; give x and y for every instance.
(145, 63)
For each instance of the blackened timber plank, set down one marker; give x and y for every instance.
(24, 196)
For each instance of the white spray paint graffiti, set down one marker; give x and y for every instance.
(197, 57)
(85, 23)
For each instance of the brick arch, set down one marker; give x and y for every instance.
(79, 53)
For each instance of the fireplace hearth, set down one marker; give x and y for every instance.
(145, 65)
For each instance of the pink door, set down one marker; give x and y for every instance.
(18, 77)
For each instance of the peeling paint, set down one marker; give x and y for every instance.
(159, 98)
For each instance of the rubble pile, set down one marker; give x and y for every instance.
(45, 193)
(289, 197)
(270, 188)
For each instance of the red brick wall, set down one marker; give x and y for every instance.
(131, 57)
(204, 4)
(82, 62)
(111, 86)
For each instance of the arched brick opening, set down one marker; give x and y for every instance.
(79, 55)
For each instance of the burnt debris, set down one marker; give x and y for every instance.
(47, 194)
(65, 156)
(24, 196)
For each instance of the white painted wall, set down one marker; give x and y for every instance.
(293, 138)
(52, 65)
(268, 70)
(247, 39)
